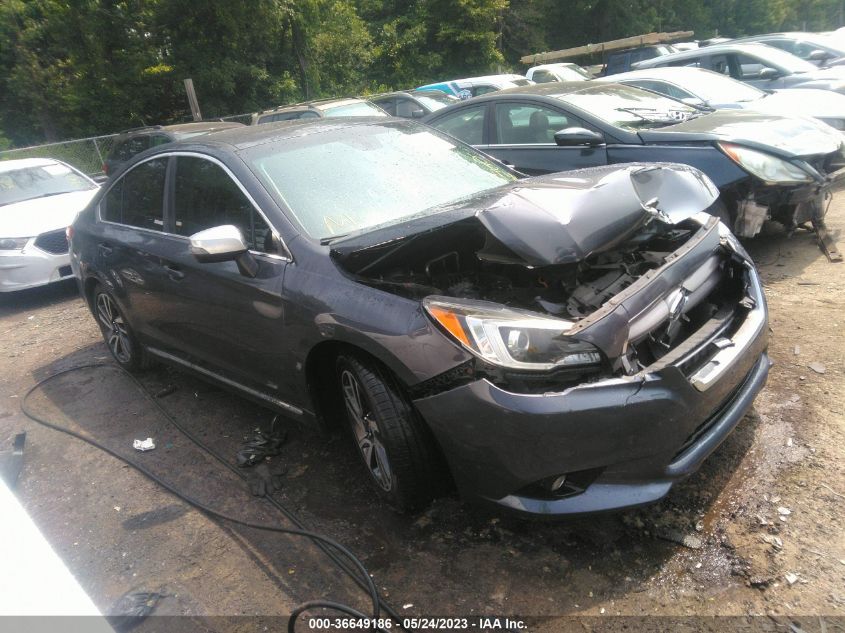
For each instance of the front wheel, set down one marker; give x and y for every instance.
(397, 449)
(119, 338)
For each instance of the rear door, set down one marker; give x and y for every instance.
(221, 318)
(522, 135)
(130, 242)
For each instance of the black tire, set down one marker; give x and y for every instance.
(403, 463)
(118, 336)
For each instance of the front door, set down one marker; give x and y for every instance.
(523, 136)
(220, 316)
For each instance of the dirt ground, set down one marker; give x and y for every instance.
(757, 533)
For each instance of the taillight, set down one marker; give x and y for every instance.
(105, 168)
(69, 233)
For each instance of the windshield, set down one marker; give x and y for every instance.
(17, 185)
(357, 108)
(782, 60)
(714, 87)
(435, 100)
(629, 107)
(344, 180)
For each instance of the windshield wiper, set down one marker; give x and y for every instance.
(665, 118)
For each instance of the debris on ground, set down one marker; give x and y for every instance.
(131, 609)
(266, 478)
(796, 350)
(819, 368)
(261, 445)
(791, 578)
(784, 511)
(166, 391)
(687, 540)
(774, 541)
(144, 445)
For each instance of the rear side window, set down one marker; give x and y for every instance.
(543, 76)
(131, 146)
(205, 196)
(466, 124)
(137, 198)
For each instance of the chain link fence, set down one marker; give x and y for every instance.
(86, 154)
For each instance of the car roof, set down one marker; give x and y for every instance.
(714, 49)
(666, 73)
(410, 92)
(183, 128)
(26, 163)
(551, 89)
(316, 104)
(253, 135)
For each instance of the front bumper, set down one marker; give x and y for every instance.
(32, 267)
(635, 435)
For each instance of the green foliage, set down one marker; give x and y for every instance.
(73, 68)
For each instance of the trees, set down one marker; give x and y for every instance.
(71, 68)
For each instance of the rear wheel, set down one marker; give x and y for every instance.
(119, 338)
(397, 449)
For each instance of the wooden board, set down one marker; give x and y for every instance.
(587, 49)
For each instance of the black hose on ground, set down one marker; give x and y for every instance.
(363, 576)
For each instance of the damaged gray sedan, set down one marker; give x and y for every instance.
(554, 345)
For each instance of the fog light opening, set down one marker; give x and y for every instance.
(557, 483)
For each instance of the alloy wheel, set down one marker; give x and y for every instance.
(365, 430)
(114, 327)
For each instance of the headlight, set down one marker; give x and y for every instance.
(765, 166)
(13, 243)
(516, 339)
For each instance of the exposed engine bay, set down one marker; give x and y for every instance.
(466, 263)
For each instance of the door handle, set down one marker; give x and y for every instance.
(104, 249)
(174, 273)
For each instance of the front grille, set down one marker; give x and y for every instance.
(54, 242)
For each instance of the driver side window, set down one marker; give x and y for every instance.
(528, 123)
(205, 196)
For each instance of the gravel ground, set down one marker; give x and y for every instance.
(757, 532)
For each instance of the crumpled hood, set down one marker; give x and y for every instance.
(790, 137)
(555, 219)
(33, 217)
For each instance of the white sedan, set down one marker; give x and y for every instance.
(39, 199)
(700, 87)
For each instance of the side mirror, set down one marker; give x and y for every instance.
(417, 113)
(817, 55)
(769, 73)
(572, 136)
(222, 244)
